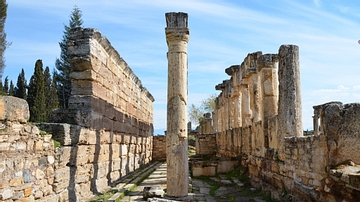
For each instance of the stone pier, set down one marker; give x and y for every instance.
(177, 37)
(289, 112)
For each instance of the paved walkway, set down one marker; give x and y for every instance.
(228, 189)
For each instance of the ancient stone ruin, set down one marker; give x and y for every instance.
(177, 37)
(107, 132)
(258, 121)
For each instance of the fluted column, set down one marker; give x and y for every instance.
(177, 37)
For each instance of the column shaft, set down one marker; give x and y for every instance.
(290, 110)
(177, 36)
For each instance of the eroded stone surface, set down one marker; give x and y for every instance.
(177, 37)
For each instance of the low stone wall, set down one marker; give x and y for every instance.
(27, 158)
(159, 148)
(205, 144)
(258, 118)
(85, 161)
(90, 161)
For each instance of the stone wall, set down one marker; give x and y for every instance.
(258, 118)
(27, 158)
(205, 144)
(105, 93)
(105, 134)
(159, 148)
(110, 115)
(90, 161)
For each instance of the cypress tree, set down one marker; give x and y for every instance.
(36, 96)
(3, 43)
(2, 88)
(6, 85)
(62, 64)
(51, 99)
(20, 89)
(11, 89)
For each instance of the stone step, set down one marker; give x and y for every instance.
(125, 185)
(128, 178)
(237, 181)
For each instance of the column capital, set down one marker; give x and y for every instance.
(177, 27)
(176, 20)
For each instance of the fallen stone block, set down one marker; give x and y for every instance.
(153, 191)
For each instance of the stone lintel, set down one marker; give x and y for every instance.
(267, 60)
(328, 103)
(232, 69)
(222, 85)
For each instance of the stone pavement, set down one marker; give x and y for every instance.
(228, 188)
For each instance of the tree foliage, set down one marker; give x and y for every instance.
(6, 85)
(51, 99)
(3, 43)
(62, 64)
(196, 114)
(11, 89)
(20, 89)
(36, 96)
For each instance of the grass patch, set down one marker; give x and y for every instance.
(57, 144)
(231, 198)
(237, 174)
(104, 196)
(214, 185)
(42, 132)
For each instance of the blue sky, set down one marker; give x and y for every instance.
(222, 33)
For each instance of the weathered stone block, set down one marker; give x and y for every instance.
(16, 181)
(226, 166)
(7, 193)
(14, 109)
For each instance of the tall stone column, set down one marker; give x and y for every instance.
(177, 37)
(290, 109)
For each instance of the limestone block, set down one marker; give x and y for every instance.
(62, 175)
(115, 151)
(50, 159)
(115, 175)
(153, 191)
(83, 191)
(253, 170)
(4, 146)
(7, 193)
(87, 74)
(38, 194)
(4, 138)
(27, 191)
(50, 171)
(82, 178)
(16, 181)
(101, 184)
(106, 137)
(116, 164)
(63, 195)
(14, 109)
(38, 145)
(16, 129)
(101, 169)
(39, 174)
